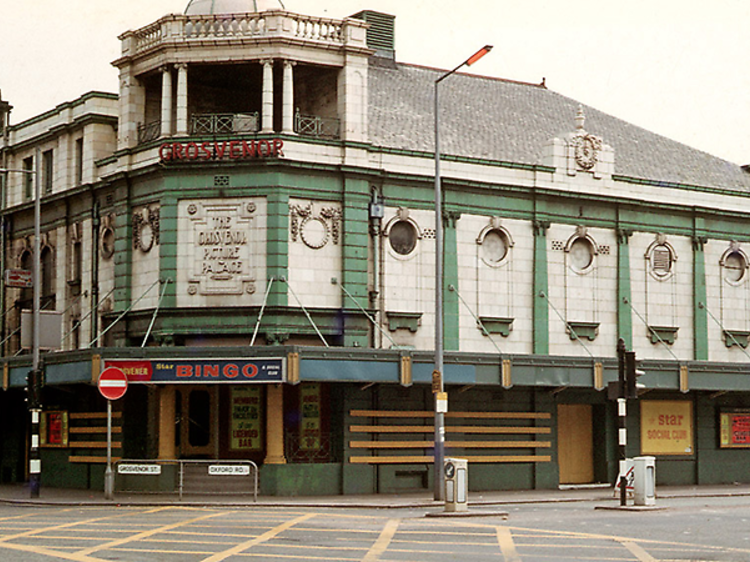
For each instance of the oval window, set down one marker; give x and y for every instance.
(494, 246)
(403, 237)
(581, 254)
(734, 267)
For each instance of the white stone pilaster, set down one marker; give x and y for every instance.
(166, 101)
(288, 98)
(132, 109)
(182, 99)
(352, 98)
(267, 109)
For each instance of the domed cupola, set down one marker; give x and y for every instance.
(213, 7)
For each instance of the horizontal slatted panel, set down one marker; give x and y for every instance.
(460, 444)
(466, 415)
(385, 448)
(448, 429)
(407, 459)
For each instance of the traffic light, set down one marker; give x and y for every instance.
(34, 382)
(631, 375)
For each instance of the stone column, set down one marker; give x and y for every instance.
(166, 422)
(267, 109)
(275, 424)
(288, 101)
(182, 99)
(166, 101)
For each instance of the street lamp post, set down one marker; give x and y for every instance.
(35, 467)
(438, 389)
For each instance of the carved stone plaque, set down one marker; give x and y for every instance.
(221, 243)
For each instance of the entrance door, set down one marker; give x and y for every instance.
(575, 443)
(199, 428)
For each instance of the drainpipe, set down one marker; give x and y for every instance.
(95, 225)
(376, 219)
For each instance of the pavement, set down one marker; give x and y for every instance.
(20, 495)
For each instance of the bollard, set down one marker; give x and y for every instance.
(456, 485)
(644, 482)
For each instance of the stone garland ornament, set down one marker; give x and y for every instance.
(315, 230)
(146, 229)
(107, 237)
(587, 149)
(586, 146)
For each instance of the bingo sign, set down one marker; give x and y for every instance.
(201, 371)
(666, 427)
(734, 430)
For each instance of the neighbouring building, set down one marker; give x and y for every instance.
(247, 230)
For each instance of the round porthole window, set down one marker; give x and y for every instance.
(403, 237)
(495, 246)
(581, 254)
(735, 266)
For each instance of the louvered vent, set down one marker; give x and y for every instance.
(381, 34)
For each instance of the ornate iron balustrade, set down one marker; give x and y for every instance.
(149, 131)
(224, 123)
(313, 126)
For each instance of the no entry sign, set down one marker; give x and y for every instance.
(113, 383)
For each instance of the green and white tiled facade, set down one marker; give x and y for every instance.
(296, 234)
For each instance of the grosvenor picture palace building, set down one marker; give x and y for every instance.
(247, 230)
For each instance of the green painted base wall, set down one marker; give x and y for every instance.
(57, 472)
(300, 479)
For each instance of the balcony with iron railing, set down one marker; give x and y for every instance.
(148, 132)
(317, 127)
(244, 123)
(224, 123)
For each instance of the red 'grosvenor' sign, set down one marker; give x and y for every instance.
(221, 150)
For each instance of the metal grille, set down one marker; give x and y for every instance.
(299, 450)
(149, 131)
(661, 260)
(313, 126)
(221, 181)
(217, 123)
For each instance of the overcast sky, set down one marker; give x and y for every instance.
(678, 68)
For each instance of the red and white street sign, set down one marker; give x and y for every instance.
(113, 383)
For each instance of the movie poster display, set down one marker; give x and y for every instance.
(245, 412)
(310, 429)
(53, 429)
(734, 429)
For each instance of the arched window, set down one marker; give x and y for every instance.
(48, 272)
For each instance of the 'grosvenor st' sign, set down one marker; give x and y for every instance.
(221, 150)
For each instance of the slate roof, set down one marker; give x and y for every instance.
(509, 121)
